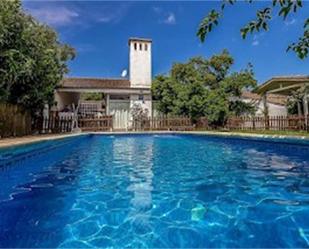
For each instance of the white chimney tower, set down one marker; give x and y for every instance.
(140, 62)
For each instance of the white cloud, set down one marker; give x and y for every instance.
(290, 22)
(105, 19)
(256, 39)
(255, 43)
(112, 15)
(56, 16)
(164, 16)
(170, 19)
(157, 10)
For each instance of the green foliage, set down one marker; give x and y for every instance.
(92, 96)
(263, 16)
(204, 87)
(295, 100)
(32, 60)
(291, 106)
(302, 46)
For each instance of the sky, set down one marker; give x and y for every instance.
(99, 31)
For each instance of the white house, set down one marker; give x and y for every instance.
(120, 93)
(276, 104)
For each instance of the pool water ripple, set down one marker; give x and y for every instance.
(156, 191)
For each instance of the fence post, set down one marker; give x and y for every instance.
(266, 120)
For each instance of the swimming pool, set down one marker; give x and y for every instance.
(155, 191)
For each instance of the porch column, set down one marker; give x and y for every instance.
(299, 112)
(107, 104)
(305, 103)
(265, 104)
(266, 112)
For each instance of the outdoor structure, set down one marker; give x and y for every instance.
(120, 94)
(285, 86)
(276, 104)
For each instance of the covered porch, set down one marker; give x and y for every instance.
(117, 98)
(286, 86)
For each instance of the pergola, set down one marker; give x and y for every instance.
(284, 85)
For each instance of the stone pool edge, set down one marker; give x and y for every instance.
(11, 142)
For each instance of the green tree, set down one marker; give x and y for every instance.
(92, 96)
(32, 60)
(204, 87)
(263, 16)
(295, 100)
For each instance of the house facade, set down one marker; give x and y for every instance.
(285, 86)
(120, 94)
(276, 104)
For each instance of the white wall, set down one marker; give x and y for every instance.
(140, 64)
(273, 109)
(120, 109)
(66, 98)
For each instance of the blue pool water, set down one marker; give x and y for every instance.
(155, 191)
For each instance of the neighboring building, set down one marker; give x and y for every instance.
(285, 86)
(274, 93)
(276, 103)
(120, 94)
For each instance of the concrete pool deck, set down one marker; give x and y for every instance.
(9, 142)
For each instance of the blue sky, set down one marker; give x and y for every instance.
(99, 31)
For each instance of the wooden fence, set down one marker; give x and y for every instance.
(269, 123)
(163, 123)
(96, 124)
(52, 124)
(14, 121)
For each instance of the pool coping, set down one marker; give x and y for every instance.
(11, 142)
(16, 141)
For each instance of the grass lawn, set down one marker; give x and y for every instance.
(270, 132)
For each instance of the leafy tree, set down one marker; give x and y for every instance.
(32, 60)
(295, 100)
(92, 96)
(139, 116)
(263, 16)
(204, 87)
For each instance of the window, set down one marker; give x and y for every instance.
(135, 46)
(141, 97)
(146, 47)
(140, 46)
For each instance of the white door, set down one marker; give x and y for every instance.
(120, 109)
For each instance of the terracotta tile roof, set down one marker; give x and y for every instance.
(97, 83)
(271, 98)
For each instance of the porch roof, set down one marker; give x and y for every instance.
(283, 84)
(95, 83)
(271, 98)
(104, 85)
